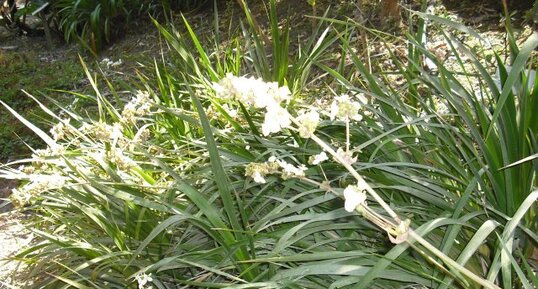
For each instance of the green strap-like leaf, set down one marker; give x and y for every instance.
(519, 64)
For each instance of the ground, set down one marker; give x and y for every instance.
(28, 64)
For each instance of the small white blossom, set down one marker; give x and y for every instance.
(279, 94)
(60, 130)
(260, 94)
(116, 131)
(27, 169)
(258, 178)
(37, 185)
(106, 61)
(308, 121)
(275, 120)
(109, 63)
(144, 279)
(19, 198)
(346, 156)
(116, 63)
(139, 106)
(142, 135)
(251, 91)
(318, 159)
(224, 89)
(258, 171)
(56, 150)
(122, 162)
(343, 108)
(354, 197)
(289, 170)
(102, 131)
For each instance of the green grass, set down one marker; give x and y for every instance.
(25, 71)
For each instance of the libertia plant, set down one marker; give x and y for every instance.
(204, 178)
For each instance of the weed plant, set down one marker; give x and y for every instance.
(209, 179)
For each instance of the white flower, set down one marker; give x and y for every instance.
(143, 279)
(52, 151)
(307, 123)
(128, 115)
(343, 108)
(103, 131)
(354, 197)
(60, 130)
(109, 63)
(317, 159)
(232, 112)
(279, 94)
(139, 106)
(19, 198)
(116, 131)
(346, 156)
(142, 96)
(122, 162)
(225, 88)
(116, 63)
(142, 135)
(258, 177)
(275, 120)
(251, 91)
(289, 170)
(260, 94)
(258, 171)
(37, 185)
(144, 109)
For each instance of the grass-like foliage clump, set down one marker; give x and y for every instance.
(217, 170)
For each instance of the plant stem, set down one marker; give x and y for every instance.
(356, 175)
(449, 261)
(347, 135)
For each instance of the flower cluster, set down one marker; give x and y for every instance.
(308, 121)
(37, 185)
(122, 162)
(318, 159)
(355, 196)
(289, 170)
(102, 131)
(258, 171)
(143, 280)
(140, 138)
(260, 94)
(60, 130)
(139, 106)
(344, 108)
(251, 91)
(109, 63)
(346, 156)
(54, 151)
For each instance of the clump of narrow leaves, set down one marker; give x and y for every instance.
(215, 174)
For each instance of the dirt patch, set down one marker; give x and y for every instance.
(13, 238)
